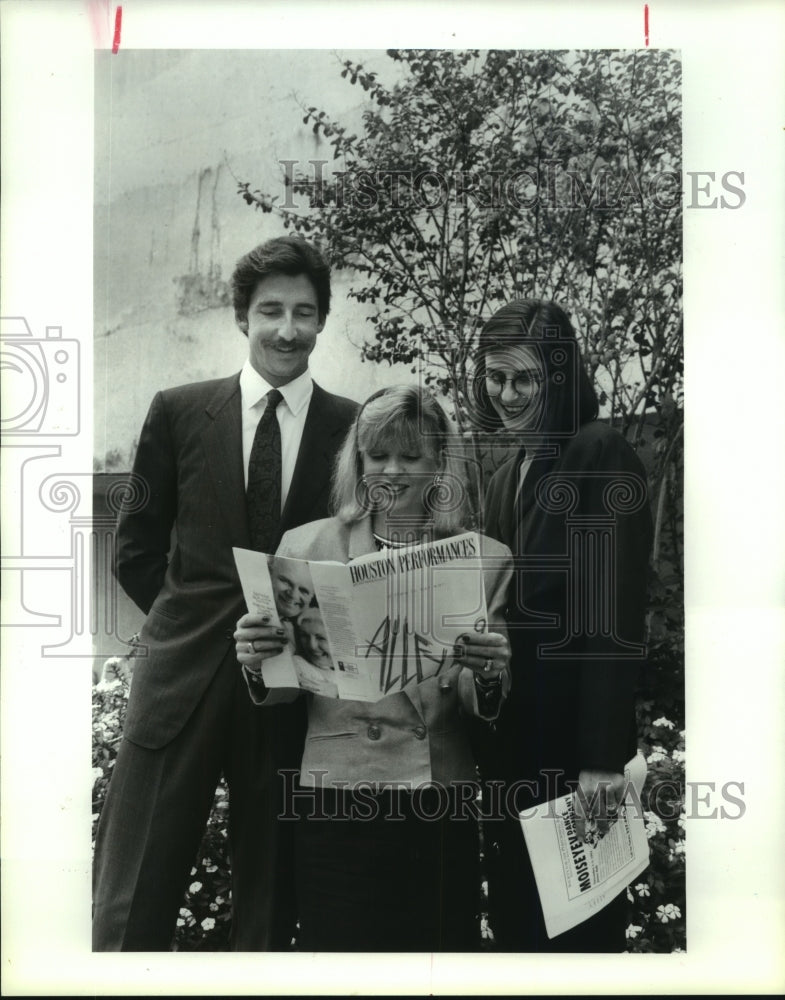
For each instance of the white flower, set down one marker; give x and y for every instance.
(642, 889)
(679, 756)
(668, 912)
(658, 753)
(108, 684)
(210, 868)
(194, 887)
(662, 721)
(633, 931)
(630, 896)
(485, 930)
(98, 772)
(208, 923)
(654, 824)
(180, 922)
(219, 900)
(682, 822)
(213, 907)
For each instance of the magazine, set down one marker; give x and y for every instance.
(372, 627)
(575, 879)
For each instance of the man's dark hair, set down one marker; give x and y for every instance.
(290, 255)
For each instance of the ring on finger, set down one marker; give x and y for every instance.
(251, 648)
(488, 665)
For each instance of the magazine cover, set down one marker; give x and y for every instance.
(372, 627)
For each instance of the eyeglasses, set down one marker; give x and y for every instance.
(523, 383)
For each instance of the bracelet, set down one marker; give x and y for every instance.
(488, 682)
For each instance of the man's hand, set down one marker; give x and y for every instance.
(597, 801)
(256, 640)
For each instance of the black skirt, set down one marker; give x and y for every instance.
(394, 871)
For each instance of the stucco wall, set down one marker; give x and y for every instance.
(173, 130)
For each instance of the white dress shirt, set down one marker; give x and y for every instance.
(291, 414)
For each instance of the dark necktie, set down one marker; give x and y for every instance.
(263, 494)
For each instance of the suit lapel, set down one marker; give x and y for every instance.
(543, 458)
(313, 469)
(508, 501)
(361, 541)
(223, 447)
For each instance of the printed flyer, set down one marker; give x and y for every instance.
(575, 879)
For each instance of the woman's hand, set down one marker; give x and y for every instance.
(485, 653)
(597, 801)
(256, 640)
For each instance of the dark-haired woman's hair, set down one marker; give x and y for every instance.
(569, 397)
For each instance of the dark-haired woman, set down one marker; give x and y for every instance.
(572, 506)
(387, 855)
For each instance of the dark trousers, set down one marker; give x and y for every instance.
(154, 817)
(393, 881)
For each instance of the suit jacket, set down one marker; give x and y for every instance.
(415, 736)
(573, 708)
(174, 555)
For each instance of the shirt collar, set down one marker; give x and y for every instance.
(254, 388)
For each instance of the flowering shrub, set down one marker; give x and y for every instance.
(109, 702)
(205, 916)
(658, 897)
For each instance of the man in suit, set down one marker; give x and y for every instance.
(189, 716)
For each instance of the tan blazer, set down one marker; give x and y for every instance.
(409, 738)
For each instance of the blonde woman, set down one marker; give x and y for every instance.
(386, 841)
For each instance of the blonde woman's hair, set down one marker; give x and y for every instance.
(407, 417)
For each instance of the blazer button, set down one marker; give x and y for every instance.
(374, 732)
(419, 732)
(229, 634)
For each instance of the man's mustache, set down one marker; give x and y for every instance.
(287, 345)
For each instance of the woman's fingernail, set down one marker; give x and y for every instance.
(280, 631)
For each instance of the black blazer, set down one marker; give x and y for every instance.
(572, 708)
(174, 553)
